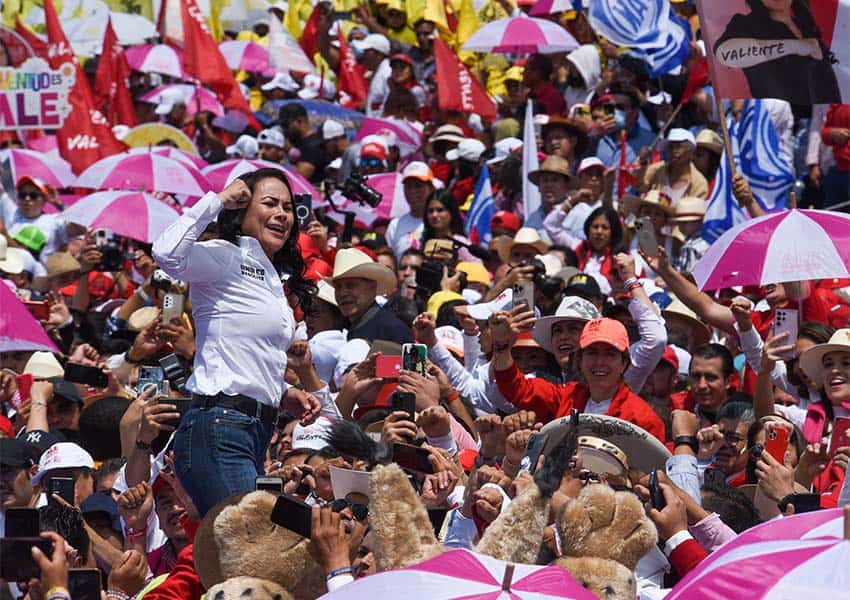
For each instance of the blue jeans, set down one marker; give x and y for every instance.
(219, 452)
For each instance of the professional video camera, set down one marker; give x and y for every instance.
(356, 189)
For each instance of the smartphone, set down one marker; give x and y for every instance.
(63, 487)
(18, 563)
(86, 375)
(387, 367)
(839, 437)
(533, 450)
(303, 210)
(413, 357)
(183, 405)
(412, 458)
(647, 241)
(293, 514)
(581, 110)
(656, 496)
(787, 319)
(39, 310)
(84, 584)
(269, 484)
(172, 306)
(804, 503)
(22, 522)
(25, 382)
(524, 294)
(777, 442)
(150, 376)
(609, 109)
(406, 402)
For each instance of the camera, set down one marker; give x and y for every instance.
(357, 190)
(112, 254)
(550, 287)
(160, 280)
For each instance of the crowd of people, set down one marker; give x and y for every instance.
(253, 348)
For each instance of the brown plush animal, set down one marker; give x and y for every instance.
(247, 588)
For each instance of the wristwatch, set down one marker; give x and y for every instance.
(686, 440)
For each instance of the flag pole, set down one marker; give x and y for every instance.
(669, 122)
(725, 131)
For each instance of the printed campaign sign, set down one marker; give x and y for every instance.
(34, 96)
(800, 53)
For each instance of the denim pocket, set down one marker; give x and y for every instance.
(183, 447)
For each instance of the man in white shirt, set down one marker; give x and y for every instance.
(375, 50)
(405, 231)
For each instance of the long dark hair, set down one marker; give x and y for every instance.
(448, 201)
(287, 260)
(802, 16)
(613, 220)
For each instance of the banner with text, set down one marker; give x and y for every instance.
(34, 96)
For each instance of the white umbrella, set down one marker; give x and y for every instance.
(521, 35)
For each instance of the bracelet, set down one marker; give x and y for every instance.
(630, 282)
(58, 592)
(132, 534)
(141, 293)
(117, 594)
(634, 286)
(338, 572)
(686, 440)
(129, 360)
(143, 445)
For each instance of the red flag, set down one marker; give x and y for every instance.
(85, 136)
(110, 82)
(38, 45)
(352, 79)
(203, 60)
(310, 36)
(457, 88)
(697, 79)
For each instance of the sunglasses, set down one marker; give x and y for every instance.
(360, 511)
(371, 163)
(33, 195)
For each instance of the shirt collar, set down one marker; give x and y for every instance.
(252, 247)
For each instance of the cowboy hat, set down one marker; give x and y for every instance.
(552, 164)
(702, 334)
(58, 264)
(811, 361)
(351, 262)
(689, 208)
(571, 308)
(326, 292)
(526, 236)
(574, 126)
(654, 198)
(710, 140)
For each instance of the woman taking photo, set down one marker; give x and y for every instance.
(244, 326)
(443, 222)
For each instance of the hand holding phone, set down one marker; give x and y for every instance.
(414, 358)
(533, 450)
(405, 402)
(387, 367)
(786, 320)
(776, 443)
(39, 310)
(523, 294)
(86, 375)
(62, 487)
(269, 484)
(293, 514)
(656, 496)
(840, 435)
(84, 584)
(412, 458)
(647, 241)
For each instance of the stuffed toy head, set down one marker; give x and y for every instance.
(607, 579)
(247, 588)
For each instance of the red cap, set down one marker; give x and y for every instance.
(671, 358)
(382, 401)
(604, 331)
(159, 484)
(374, 150)
(506, 220)
(402, 57)
(316, 269)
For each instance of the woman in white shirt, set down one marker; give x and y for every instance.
(244, 326)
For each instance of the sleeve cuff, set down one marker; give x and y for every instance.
(676, 540)
(444, 442)
(334, 583)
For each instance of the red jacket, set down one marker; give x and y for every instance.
(686, 556)
(838, 117)
(550, 401)
(182, 583)
(828, 484)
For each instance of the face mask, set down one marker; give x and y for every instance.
(620, 119)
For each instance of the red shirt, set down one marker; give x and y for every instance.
(549, 98)
(550, 401)
(838, 117)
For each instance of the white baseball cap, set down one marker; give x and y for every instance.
(332, 129)
(468, 149)
(315, 86)
(482, 312)
(678, 134)
(167, 100)
(64, 455)
(589, 163)
(245, 147)
(504, 148)
(450, 337)
(312, 436)
(373, 41)
(272, 137)
(10, 261)
(417, 170)
(282, 81)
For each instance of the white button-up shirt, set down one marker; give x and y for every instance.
(243, 322)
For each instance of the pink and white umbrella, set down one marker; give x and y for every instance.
(19, 331)
(792, 245)
(408, 136)
(521, 35)
(52, 170)
(192, 95)
(551, 7)
(174, 153)
(156, 58)
(144, 172)
(773, 564)
(221, 174)
(246, 56)
(136, 215)
(461, 574)
(392, 205)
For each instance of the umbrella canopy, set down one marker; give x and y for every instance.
(318, 111)
(792, 245)
(148, 172)
(408, 136)
(221, 174)
(19, 331)
(173, 153)
(521, 35)
(463, 574)
(52, 170)
(194, 96)
(156, 58)
(86, 33)
(246, 56)
(136, 215)
(152, 134)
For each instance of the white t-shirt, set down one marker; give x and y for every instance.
(378, 89)
(52, 226)
(404, 232)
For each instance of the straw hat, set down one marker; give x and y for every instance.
(574, 126)
(526, 236)
(572, 308)
(710, 140)
(326, 292)
(552, 164)
(689, 208)
(351, 262)
(10, 261)
(654, 198)
(142, 317)
(58, 264)
(43, 365)
(702, 334)
(811, 361)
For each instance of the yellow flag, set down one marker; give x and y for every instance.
(435, 11)
(136, 7)
(292, 19)
(214, 21)
(11, 9)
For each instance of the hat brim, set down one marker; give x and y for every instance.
(504, 248)
(163, 109)
(542, 331)
(385, 278)
(642, 449)
(712, 147)
(688, 217)
(701, 333)
(811, 361)
(534, 176)
(446, 137)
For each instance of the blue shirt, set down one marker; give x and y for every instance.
(608, 150)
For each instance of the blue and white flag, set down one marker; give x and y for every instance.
(673, 50)
(756, 150)
(632, 23)
(481, 210)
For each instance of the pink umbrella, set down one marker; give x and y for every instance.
(135, 215)
(551, 7)
(408, 136)
(246, 56)
(174, 153)
(461, 574)
(774, 562)
(52, 170)
(220, 174)
(192, 95)
(19, 331)
(148, 172)
(158, 58)
(521, 35)
(792, 245)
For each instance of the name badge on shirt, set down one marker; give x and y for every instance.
(255, 273)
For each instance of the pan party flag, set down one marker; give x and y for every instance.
(802, 56)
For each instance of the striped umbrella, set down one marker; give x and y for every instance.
(246, 56)
(156, 58)
(174, 153)
(136, 215)
(521, 35)
(144, 172)
(19, 331)
(221, 174)
(52, 170)
(194, 96)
